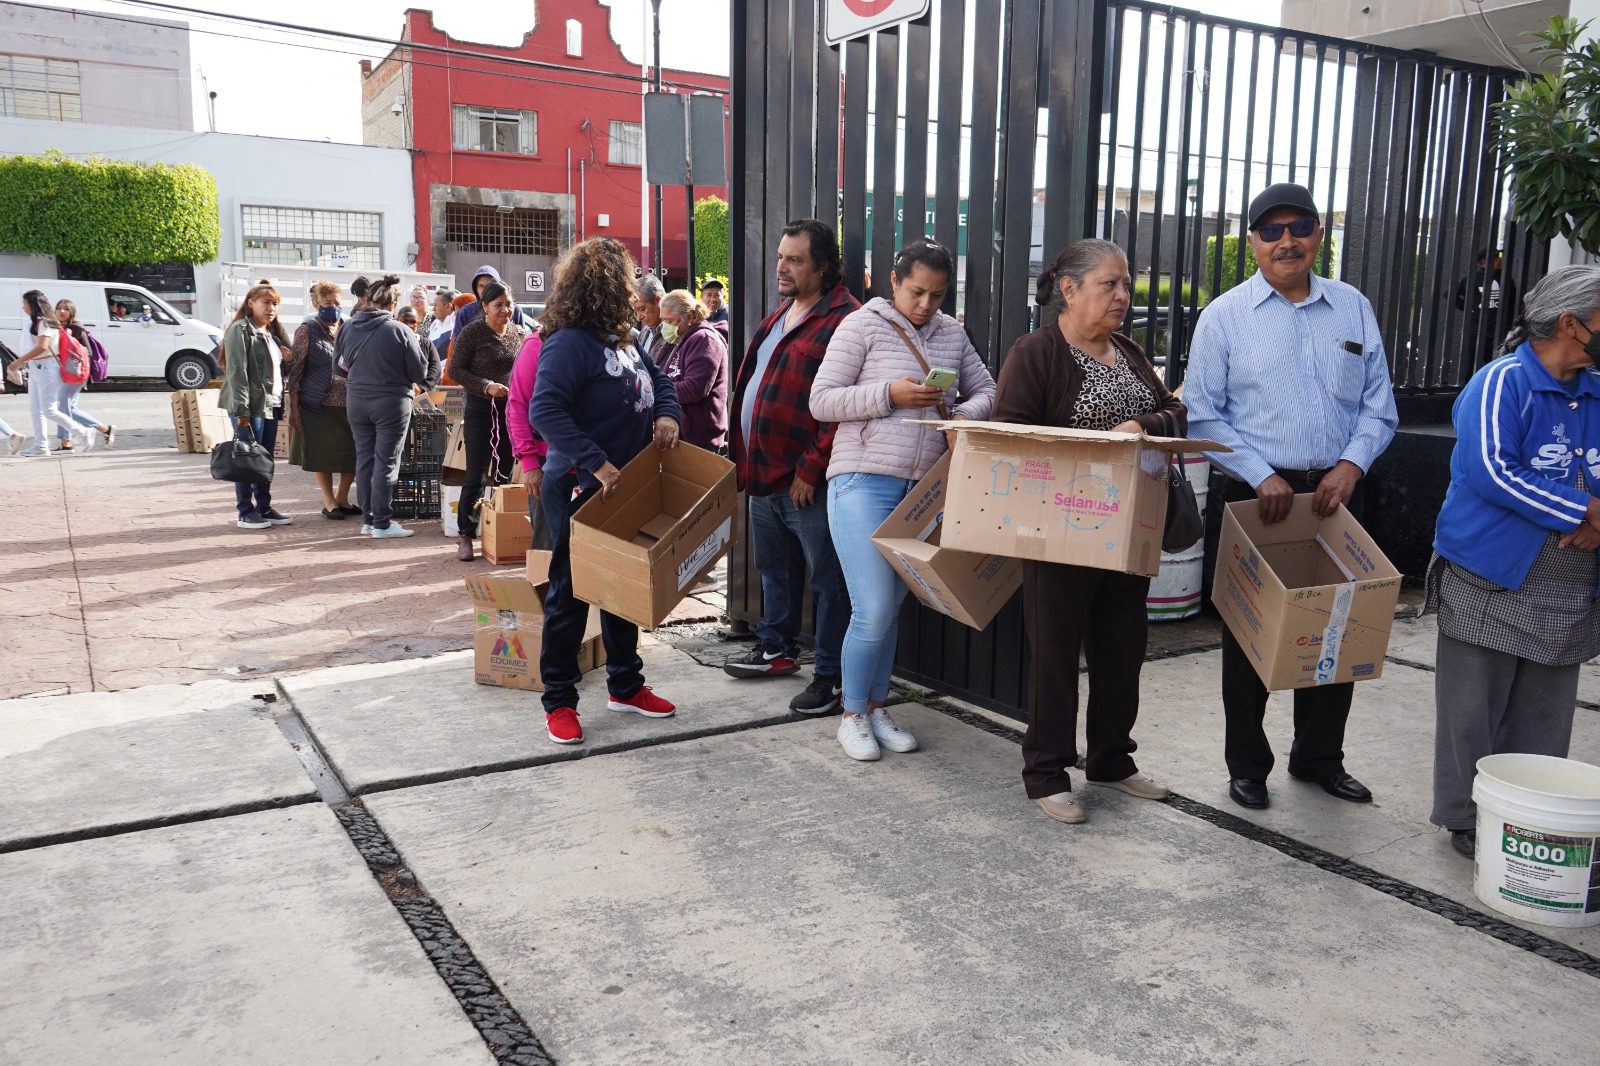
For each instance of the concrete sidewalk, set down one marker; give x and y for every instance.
(727, 887)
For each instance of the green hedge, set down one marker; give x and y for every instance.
(1141, 293)
(711, 235)
(107, 212)
(1230, 262)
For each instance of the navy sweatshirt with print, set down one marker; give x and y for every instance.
(595, 401)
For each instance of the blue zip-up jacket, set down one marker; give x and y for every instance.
(595, 400)
(1521, 438)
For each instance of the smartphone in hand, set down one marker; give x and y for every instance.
(941, 379)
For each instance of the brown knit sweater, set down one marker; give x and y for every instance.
(479, 355)
(1040, 381)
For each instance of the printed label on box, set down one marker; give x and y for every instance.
(707, 551)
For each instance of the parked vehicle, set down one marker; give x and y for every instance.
(144, 336)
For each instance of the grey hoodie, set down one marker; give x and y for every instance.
(384, 358)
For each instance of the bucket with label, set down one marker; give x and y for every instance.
(1538, 855)
(1176, 588)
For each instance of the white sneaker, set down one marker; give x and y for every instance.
(855, 737)
(890, 735)
(366, 529)
(395, 529)
(88, 440)
(17, 440)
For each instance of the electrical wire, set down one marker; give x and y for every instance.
(1492, 36)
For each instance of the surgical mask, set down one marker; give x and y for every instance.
(329, 315)
(669, 333)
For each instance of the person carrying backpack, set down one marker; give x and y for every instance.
(72, 383)
(43, 363)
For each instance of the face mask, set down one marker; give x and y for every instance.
(329, 315)
(669, 333)
(1591, 348)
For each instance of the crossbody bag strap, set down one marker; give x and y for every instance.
(944, 410)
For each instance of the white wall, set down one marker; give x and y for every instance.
(250, 170)
(133, 71)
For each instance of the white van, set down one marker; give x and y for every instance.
(144, 336)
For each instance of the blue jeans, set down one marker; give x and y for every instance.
(256, 497)
(857, 505)
(565, 616)
(67, 400)
(788, 540)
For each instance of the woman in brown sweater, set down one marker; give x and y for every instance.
(1077, 372)
(481, 357)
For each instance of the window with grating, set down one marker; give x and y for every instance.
(296, 236)
(522, 231)
(31, 87)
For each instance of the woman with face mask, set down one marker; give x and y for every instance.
(1515, 573)
(481, 358)
(695, 356)
(314, 401)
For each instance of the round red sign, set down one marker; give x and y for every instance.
(868, 8)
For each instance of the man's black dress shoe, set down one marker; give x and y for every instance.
(1247, 792)
(1465, 841)
(1339, 784)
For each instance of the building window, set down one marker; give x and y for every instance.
(31, 87)
(499, 231)
(627, 143)
(298, 236)
(574, 37)
(492, 129)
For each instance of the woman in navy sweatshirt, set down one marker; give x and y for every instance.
(598, 402)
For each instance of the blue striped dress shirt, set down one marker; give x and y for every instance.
(1291, 386)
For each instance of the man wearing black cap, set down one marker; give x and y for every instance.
(1289, 371)
(711, 296)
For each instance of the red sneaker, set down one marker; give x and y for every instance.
(563, 726)
(643, 702)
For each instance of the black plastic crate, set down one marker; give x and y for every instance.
(427, 437)
(416, 498)
(422, 468)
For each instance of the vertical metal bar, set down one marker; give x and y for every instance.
(1134, 196)
(1245, 193)
(1425, 272)
(1021, 139)
(1321, 59)
(885, 154)
(854, 216)
(1463, 124)
(1294, 117)
(914, 187)
(802, 103)
(778, 145)
(981, 192)
(1195, 270)
(1157, 253)
(1372, 113)
(1072, 152)
(1116, 22)
(1486, 247)
(1451, 119)
(747, 100)
(1333, 169)
(1272, 105)
(947, 187)
(825, 202)
(1219, 252)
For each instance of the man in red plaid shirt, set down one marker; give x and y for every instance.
(782, 455)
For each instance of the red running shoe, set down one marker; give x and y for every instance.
(563, 726)
(643, 702)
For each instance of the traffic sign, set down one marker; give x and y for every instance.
(844, 19)
(534, 280)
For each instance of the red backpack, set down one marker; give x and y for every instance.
(74, 359)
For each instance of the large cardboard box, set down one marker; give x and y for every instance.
(504, 530)
(1310, 600)
(509, 614)
(453, 466)
(1061, 495)
(968, 586)
(670, 519)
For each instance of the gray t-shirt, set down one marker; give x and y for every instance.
(769, 344)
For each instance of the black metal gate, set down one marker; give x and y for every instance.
(1022, 124)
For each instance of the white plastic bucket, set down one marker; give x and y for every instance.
(1176, 588)
(1538, 856)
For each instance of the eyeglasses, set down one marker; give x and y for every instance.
(1302, 227)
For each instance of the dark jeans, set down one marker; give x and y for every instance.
(565, 616)
(1103, 612)
(788, 540)
(488, 439)
(256, 498)
(378, 424)
(1320, 713)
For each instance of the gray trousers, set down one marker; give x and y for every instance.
(378, 424)
(1489, 702)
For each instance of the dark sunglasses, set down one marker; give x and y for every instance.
(1302, 227)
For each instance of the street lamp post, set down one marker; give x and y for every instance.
(660, 257)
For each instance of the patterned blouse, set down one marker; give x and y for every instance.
(1111, 395)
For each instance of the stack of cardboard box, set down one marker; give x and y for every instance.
(198, 424)
(504, 530)
(509, 614)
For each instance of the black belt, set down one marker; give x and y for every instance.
(1309, 477)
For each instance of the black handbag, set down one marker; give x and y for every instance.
(1184, 522)
(243, 460)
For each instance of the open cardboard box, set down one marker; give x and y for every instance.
(636, 554)
(509, 615)
(505, 531)
(1073, 496)
(968, 586)
(1310, 600)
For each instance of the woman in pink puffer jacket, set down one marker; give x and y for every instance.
(872, 383)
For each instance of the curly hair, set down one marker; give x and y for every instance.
(594, 280)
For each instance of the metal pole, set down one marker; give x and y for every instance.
(688, 189)
(660, 257)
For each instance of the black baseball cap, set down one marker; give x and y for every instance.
(1283, 194)
(711, 283)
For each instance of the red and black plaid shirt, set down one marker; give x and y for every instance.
(785, 441)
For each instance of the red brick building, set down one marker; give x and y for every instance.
(519, 152)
